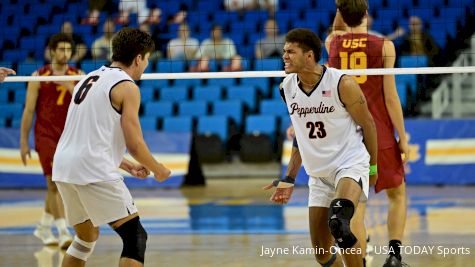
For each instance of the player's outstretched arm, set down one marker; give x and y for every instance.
(127, 95)
(355, 103)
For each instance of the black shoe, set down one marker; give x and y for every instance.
(394, 261)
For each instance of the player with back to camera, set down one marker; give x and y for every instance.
(102, 123)
(351, 46)
(336, 142)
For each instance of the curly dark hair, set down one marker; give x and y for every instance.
(128, 43)
(58, 38)
(352, 11)
(307, 40)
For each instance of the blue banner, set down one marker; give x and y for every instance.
(172, 149)
(442, 152)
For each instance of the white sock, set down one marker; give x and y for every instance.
(46, 219)
(61, 226)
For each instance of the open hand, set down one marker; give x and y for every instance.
(280, 195)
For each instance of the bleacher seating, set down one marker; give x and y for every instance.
(182, 124)
(174, 94)
(230, 108)
(193, 108)
(216, 124)
(207, 93)
(251, 104)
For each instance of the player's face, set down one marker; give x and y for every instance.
(294, 58)
(62, 54)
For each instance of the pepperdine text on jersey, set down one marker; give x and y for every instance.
(309, 110)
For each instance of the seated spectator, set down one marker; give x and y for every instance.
(271, 45)
(245, 5)
(80, 48)
(144, 14)
(155, 55)
(418, 42)
(399, 32)
(95, 8)
(217, 47)
(102, 47)
(184, 46)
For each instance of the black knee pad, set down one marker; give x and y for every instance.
(134, 239)
(339, 216)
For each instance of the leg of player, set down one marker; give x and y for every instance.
(396, 222)
(134, 239)
(43, 229)
(82, 246)
(358, 227)
(57, 210)
(322, 238)
(341, 211)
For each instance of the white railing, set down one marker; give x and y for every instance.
(441, 99)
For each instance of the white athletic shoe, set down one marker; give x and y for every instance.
(45, 235)
(65, 240)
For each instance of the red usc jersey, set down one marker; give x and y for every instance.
(362, 51)
(51, 107)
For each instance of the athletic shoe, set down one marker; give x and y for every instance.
(45, 235)
(394, 261)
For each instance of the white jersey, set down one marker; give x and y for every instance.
(328, 138)
(92, 145)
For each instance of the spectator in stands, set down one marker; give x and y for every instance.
(95, 8)
(184, 46)
(245, 5)
(217, 47)
(271, 45)
(418, 42)
(102, 47)
(4, 72)
(155, 55)
(399, 32)
(144, 14)
(80, 48)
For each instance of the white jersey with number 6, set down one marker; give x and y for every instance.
(92, 144)
(327, 136)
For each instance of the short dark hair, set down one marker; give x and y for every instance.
(352, 11)
(58, 38)
(128, 43)
(307, 40)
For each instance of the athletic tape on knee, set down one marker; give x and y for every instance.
(339, 217)
(80, 249)
(134, 239)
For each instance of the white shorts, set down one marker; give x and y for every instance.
(322, 189)
(102, 202)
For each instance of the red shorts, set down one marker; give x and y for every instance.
(390, 169)
(46, 148)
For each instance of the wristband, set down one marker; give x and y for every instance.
(373, 169)
(285, 182)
